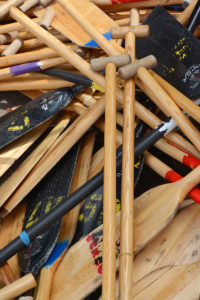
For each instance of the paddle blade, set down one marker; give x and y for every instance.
(176, 50)
(51, 191)
(32, 114)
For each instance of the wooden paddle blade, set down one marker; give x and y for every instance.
(172, 283)
(65, 24)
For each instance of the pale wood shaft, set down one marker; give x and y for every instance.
(169, 107)
(18, 287)
(134, 17)
(44, 64)
(109, 228)
(181, 100)
(127, 197)
(60, 147)
(89, 28)
(34, 84)
(15, 26)
(152, 120)
(7, 273)
(155, 164)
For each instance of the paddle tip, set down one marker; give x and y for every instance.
(3, 212)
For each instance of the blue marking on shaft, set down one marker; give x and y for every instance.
(25, 238)
(92, 43)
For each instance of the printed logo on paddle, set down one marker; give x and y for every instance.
(95, 241)
(192, 76)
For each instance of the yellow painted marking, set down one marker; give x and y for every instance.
(30, 220)
(81, 217)
(15, 128)
(137, 165)
(27, 122)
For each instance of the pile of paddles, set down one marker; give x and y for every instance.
(100, 128)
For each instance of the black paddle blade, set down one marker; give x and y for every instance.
(18, 122)
(50, 192)
(176, 49)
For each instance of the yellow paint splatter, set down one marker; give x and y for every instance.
(137, 165)
(15, 128)
(81, 217)
(27, 122)
(30, 220)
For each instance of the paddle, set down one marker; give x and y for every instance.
(168, 268)
(89, 14)
(109, 232)
(127, 201)
(88, 251)
(69, 221)
(47, 195)
(181, 46)
(34, 113)
(91, 213)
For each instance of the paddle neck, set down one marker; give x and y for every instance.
(190, 180)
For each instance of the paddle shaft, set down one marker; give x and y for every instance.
(127, 198)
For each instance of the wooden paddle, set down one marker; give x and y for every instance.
(127, 198)
(91, 17)
(109, 232)
(161, 204)
(66, 53)
(168, 268)
(80, 282)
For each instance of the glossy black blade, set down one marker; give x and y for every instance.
(18, 122)
(69, 76)
(176, 49)
(50, 192)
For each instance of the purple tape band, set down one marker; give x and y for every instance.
(25, 68)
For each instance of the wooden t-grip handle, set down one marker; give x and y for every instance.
(130, 70)
(99, 64)
(48, 18)
(18, 287)
(28, 4)
(140, 31)
(4, 8)
(45, 2)
(13, 47)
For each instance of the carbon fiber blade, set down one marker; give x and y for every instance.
(176, 50)
(20, 121)
(51, 191)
